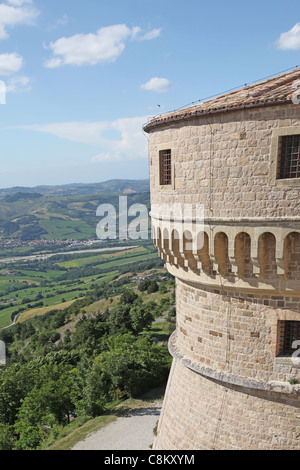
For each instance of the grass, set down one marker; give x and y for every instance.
(76, 263)
(129, 260)
(5, 284)
(54, 292)
(66, 437)
(51, 273)
(101, 305)
(38, 312)
(74, 433)
(102, 259)
(107, 264)
(55, 302)
(64, 229)
(139, 249)
(162, 330)
(5, 317)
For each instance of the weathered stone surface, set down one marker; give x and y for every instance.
(228, 387)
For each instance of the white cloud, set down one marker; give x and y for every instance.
(82, 132)
(15, 12)
(106, 45)
(18, 85)
(158, 85)
(10, 63)
(53, 63)
(121, 139)
(19, 3)
(153, 34)
(63, 20)
(290, 39)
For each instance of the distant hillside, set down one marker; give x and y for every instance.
(17, 196)
(62, 212)
(107, 187)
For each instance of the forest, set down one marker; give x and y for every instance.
(83, 331)
(75, 363)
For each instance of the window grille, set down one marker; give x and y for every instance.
(289, 333)
(289, 162)
(165, 167)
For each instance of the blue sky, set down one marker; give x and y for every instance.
(82, 77)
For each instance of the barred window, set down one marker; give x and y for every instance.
(289, 333)
(165, 163)
(289, 157)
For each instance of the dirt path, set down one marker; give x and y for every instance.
(132, 431)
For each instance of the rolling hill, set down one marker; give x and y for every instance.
(62, 212)
(107, 187)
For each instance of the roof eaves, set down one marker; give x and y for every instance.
(172, 118)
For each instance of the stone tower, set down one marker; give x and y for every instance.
(234, 382)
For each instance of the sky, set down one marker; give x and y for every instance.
(78, 79)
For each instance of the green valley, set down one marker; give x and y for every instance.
(85, 322)
(61, 213)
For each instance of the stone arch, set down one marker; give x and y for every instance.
(242, 254)
(267, 255)
(159, 242)
(221, 253)
(158, 238)
(187, 240)
(176, 247)
(166, 245)
(292, 256)
(188, 244)
(203, 251)
(166, 237)
(153, 228)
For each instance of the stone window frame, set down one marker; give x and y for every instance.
(282, 359)
(161, 148)
(283, 329)
(275, 155)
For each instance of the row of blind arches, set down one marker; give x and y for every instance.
(242, 263)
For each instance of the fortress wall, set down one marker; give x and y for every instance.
(223, 161)
(229, 387)
(231, 333)
(203, 414)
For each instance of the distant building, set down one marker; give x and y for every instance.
(10, 272)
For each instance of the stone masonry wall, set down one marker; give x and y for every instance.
(223, 161)
(229, 387)
(232, 333)
(203, 414)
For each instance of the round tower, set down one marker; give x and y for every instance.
(234, 382)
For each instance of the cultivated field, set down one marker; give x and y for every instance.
(33, 288)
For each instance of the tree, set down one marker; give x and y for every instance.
(7, 437)
(143, 285)
(88, 333)
(32, 232)
(119, 318)
(10, 227)
(153, 287)
(141, 317)
(131, 365)
(92, 395)
(162, 288)
(49, 403)
(128, 297)
(15, 383)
